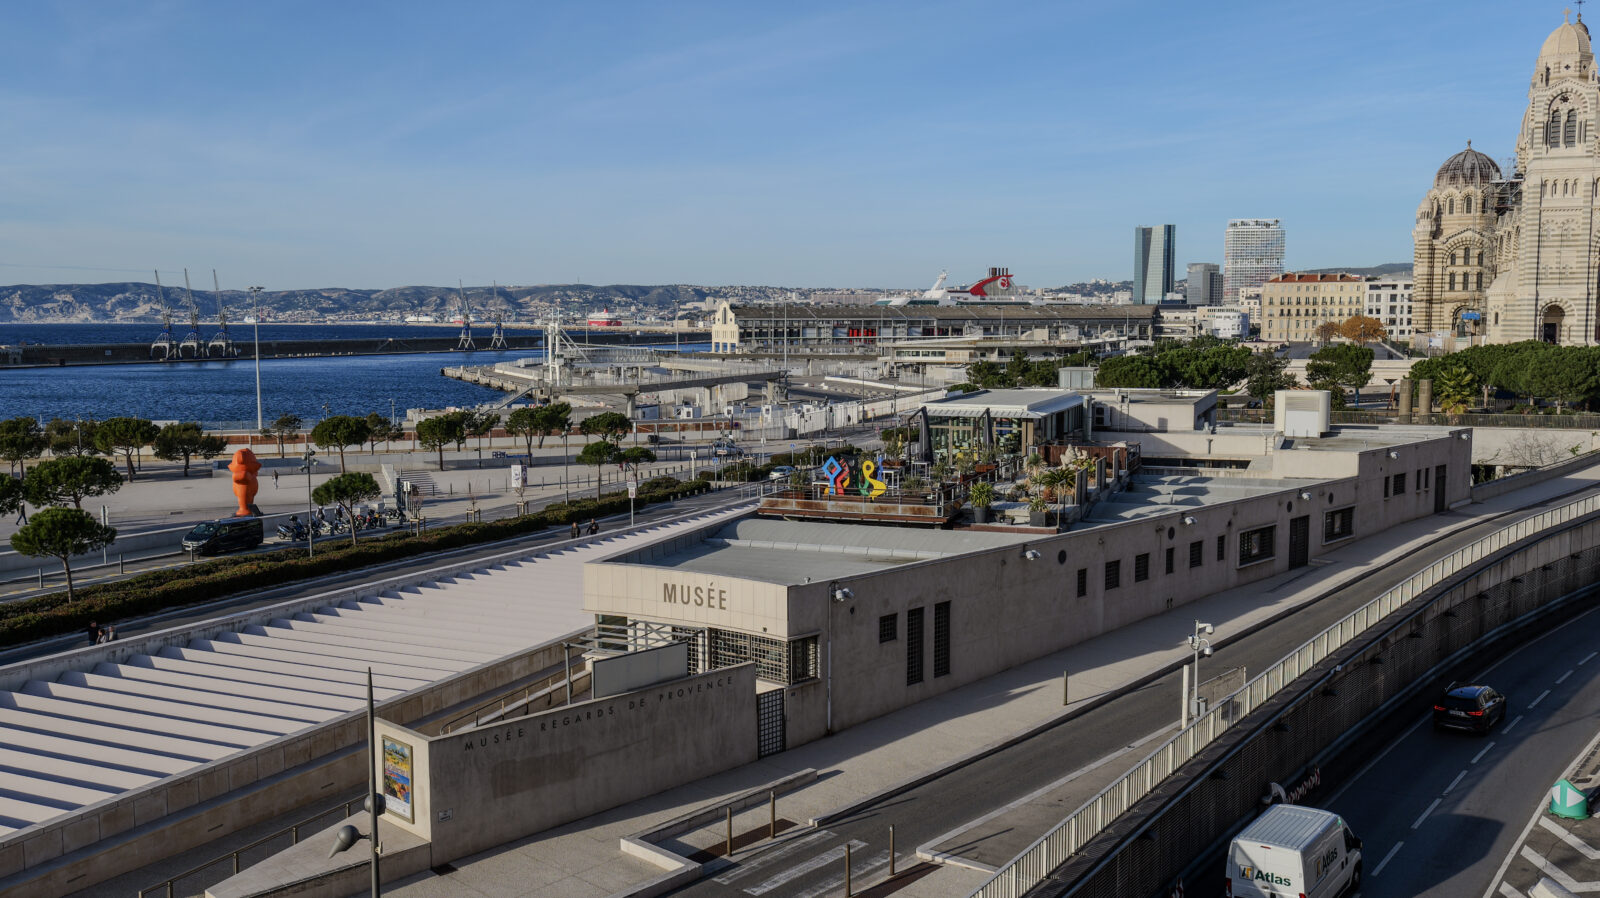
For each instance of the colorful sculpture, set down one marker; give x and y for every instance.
(871, 487)
(838, 475)
(244, 467)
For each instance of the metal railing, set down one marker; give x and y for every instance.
(494, 708)
(1463, 419)
(1035, 862)
(165, 888)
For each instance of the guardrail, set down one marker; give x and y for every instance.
(1035, 862)
(1463, 419)
(496, 707)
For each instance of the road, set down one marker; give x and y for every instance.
(1437, 812)
(950, 801)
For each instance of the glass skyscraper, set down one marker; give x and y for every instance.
(1153, 263)
(1252, 254)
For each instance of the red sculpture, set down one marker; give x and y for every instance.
(244, 467)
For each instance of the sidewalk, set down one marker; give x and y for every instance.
(583, 858)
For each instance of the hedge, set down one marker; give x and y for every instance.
(177, 587)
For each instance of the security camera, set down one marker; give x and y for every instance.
(1206, 651)
(1207, 629)
(842, 593)
(1031, 555)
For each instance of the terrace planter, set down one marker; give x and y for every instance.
(1039, 519)
(980, 514)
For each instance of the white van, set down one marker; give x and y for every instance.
(1294, 852)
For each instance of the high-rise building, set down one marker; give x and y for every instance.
(1252, 254)
(1204, 284)
(1154, 263)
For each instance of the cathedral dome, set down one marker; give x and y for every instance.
(1567, 40)
(1468, 168)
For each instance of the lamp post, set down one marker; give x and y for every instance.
(1200, 646)
(311, 522)
(255, 306)
(347, 835)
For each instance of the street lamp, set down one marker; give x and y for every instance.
(1200, 646)
(311, 522)
(348, 835)
(255, 306)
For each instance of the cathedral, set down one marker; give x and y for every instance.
(1508, 256)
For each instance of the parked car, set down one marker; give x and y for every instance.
(1294, 850)
(1471, 707)
(227, 535)
(782, 472)
(725, 449)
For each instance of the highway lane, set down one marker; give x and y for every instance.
(947, 802)
(1437, 812)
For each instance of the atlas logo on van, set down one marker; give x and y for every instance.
(1259, 875)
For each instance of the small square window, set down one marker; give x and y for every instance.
(889, 628)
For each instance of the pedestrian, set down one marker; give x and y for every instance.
(22, 515)
(576, 531)
(594, 526)
(110, 633)
(274, 479)
(94, 633)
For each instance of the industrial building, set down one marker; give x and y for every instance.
(813, 328)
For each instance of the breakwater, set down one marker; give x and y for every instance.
(52, 355)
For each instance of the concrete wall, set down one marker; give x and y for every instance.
(1529, 447)
(478, 788)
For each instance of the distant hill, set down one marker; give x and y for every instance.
(135, 302)
(1376, 271)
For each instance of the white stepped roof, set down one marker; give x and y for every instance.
(89, 735)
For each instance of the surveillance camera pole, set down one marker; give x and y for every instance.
(1199, 645)
(373, 759)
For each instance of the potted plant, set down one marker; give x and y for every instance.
(1038, 512)
(982, 498)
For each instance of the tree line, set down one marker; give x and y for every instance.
(1566, 375)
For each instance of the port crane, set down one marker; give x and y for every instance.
(221, 344)
(191, 341)
(165, 345)
(466, 319)
(497, 340)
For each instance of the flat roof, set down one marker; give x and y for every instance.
(1004, 404)
(1150, 495)
(1012, 313)
(791, 553)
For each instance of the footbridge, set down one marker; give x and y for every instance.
(103, 743)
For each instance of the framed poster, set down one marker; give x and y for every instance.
(397, 778)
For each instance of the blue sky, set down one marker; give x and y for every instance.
(369, 144)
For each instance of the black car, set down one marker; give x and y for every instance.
(1474, 707)
(227, 535)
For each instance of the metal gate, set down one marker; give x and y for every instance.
(770, 738)
(1300, 541)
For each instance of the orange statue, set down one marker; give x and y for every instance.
(244, 467)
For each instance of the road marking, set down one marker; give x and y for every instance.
(1535, 703)
(1507, 728)
(1556, 873)
(1508, 891)
(1573, 842)
(858, 874)
(832, 855)
(1563, 678)
(1426, 813)
(1375, 761)
(772, 857)
(1457, 781)
(1588, 658)
(1385, 862)
(1479, 756)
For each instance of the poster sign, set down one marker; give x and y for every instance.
(397, 778)
(516, 477)
(633, 489)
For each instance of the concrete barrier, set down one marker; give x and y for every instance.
(1501, 486)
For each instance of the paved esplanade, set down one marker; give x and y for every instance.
(857, 764)
(91, 734)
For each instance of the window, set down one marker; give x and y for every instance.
(1569, 135)
(1222, 548)
(889, 628)
(1113, 574)
(1338, 524)
(1257, 545)
(1197, 551)
(1385, 487)
(1141, 567)
(913, 646)
(1469, 205)
(1452, 281)
(1170, 553)
(1399, 483)
(1083, 582)
(1478, 278)
(803, 659)
(941, 639)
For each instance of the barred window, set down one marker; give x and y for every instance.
(729, 648)
(913, 646)
(889, 628)
(1222, 548)
(1141, 567)
(941, 639)
(1197, 551)
(1113, 574)
(1083, 582)
(1399, 483)
(803, 658)
(1257, 545)
(1338, 524)
(1170, 553)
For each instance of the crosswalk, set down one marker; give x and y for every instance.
(808, 866)
(92, 734)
